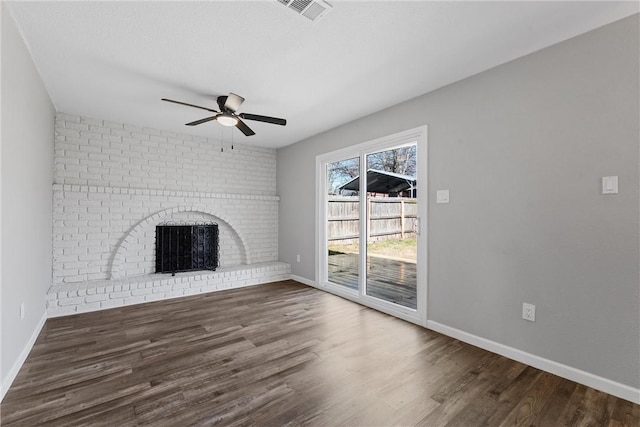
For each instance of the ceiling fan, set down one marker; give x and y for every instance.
(228, 116)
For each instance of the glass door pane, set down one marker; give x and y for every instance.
(343, 223)
(391, 245)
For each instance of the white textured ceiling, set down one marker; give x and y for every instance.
(115, 60)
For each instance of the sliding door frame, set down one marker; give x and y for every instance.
(419, 137)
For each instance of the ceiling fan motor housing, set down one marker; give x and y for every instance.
(221, 101)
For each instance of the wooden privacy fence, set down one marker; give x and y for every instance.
(390, 218)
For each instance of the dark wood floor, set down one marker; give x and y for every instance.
(388, 279)
(282, 354)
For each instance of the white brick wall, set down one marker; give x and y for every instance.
(104, 232)
(115, 182)
(94, 152)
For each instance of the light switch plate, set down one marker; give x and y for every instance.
(442, 196)
(609, 185)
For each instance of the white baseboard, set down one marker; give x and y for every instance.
(582, 377)
(6, 383)
(304, 280)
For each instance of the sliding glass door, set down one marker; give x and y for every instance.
(392, 246)
(372, 248)
(343, 225)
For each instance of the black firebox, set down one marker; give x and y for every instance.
(187, 247)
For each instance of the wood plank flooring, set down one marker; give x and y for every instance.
(282, 354)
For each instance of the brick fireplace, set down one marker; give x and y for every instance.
(114, 183)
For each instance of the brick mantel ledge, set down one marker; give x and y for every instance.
(159, 192)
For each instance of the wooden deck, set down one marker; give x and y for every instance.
(387, 279)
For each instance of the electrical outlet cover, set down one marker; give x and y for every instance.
(529, 312)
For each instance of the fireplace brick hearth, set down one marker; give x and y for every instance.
(82, 297)
(115, 182)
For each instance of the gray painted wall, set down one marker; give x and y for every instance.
(26, 193)
(522, 148)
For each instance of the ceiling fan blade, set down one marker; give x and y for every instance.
(266, 119)
(233, 102)
(189, 105)
(244, 128)
(199, 122)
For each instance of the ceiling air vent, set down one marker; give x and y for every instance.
(312, 9)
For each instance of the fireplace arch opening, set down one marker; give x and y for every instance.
(135, 254)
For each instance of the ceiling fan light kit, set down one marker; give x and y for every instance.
(227, 115)
(226, 119)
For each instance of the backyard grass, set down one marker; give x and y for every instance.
(405, 249)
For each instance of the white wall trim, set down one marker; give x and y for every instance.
(6, 382)
(599, 383)
(304, 281)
